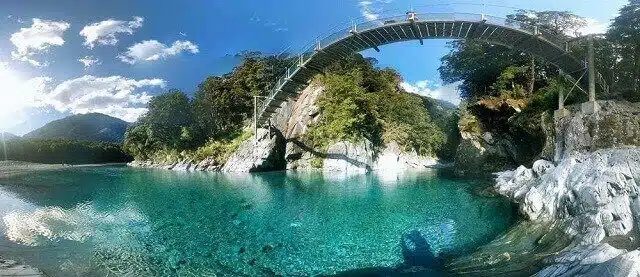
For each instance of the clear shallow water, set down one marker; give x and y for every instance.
(94, 221)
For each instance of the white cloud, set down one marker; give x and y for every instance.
(115, 96)
(37, 39)
(104, 32)
(152, 50)
(593, 27)
(370, 9)
(367, 11)
(448, 93)
(89, 61)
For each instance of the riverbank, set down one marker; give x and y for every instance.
(11, 168)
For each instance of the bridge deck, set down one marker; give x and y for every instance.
(373, 34)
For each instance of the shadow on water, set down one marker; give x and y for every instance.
(419, 260)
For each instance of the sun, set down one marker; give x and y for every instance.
(13, 97)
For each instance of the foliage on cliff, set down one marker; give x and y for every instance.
(361, 101)
(508, 93)
(177, 127)
(623, 49)
(512, 94)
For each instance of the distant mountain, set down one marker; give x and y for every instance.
(91, 127)
(8, 136)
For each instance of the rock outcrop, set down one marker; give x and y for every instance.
(360, 157)
(593, 260)
(207, 164)
(266, 154)
(478, 153)
(295, 119)
(582, 209)
(596, 192)
(593, 198)
(393, 158)
(349, 157)
(616, 124)
(302, 114)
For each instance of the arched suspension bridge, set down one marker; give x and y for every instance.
(421, 26)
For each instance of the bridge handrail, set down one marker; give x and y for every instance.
(309, 50)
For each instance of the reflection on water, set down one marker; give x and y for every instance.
(94, 221)
(51, 224)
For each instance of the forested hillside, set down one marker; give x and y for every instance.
(89, 127)
(360, 101)
(64, 152)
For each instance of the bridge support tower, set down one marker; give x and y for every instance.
(591, 106)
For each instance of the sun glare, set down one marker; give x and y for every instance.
(11, 88)
(14, 95)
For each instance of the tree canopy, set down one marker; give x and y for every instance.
(624, 35)
(361, 101)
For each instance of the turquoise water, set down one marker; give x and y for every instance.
(137, 222)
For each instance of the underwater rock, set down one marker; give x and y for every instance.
(593, 260)
(13, 268)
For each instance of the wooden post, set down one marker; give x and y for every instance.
(592, 71)
(560, 99)
(255, 120)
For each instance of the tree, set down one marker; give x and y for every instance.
(477, 65)
(169, 124)
(559, 23)
(223, 103)
(361, 101)
(624, 32)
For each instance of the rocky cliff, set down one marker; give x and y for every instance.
(582, 211)
(285, 147)
(264, 154)
(616, 124)
(295, 117)
(593, 199)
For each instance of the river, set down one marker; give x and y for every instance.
(94, 221)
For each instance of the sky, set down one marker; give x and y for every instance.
(65, 57)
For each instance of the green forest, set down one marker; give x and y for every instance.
(360, 101)
(512, 94)
(65, 151)
(506, 92)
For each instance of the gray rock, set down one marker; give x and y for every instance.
(595, 260)
(584, 260)
(594, 196)
(611, 127)
(264, 155)
(13, 268)
(348, 157)
(595, 190)
(540, 167)
(184, 165)
(392, 158)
